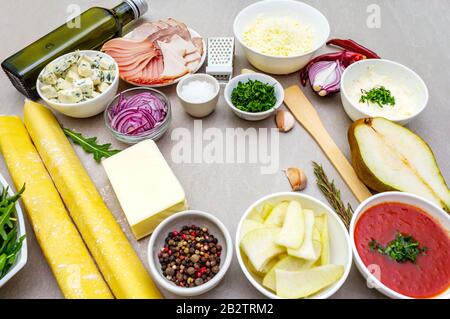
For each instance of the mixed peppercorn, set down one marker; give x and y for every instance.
(190, 257)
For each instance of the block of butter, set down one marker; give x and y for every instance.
(145, 186)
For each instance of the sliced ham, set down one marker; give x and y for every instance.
(198, 42)
(122, 43)
(143, 31)
(193, 57)
(182, 46)
(156, 52)
(192, 66)
(174, 64)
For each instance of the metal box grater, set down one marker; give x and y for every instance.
(220, 58)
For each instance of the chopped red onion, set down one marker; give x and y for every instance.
(137, 114)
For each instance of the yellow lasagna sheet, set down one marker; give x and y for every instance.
(67, 255)
(118, 262)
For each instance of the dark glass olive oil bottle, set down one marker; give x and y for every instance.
(92, 29)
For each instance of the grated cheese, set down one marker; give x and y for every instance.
(279, 36)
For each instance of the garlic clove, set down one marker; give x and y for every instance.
(284, 120)
(297, 178)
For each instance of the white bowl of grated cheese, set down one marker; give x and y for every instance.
(280, 36)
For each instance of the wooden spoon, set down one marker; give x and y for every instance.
(306, 114)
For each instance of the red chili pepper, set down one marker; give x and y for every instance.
(351, 45)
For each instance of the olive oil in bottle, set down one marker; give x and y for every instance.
(92, 29)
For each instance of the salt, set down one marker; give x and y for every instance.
(198, 91)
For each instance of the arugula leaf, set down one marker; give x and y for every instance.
(89, 145)
(10, 245)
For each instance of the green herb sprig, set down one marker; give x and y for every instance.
(10, 245)
(253, 96)
(90, 145)
(333, 195)
(402, 249)
(378, 95)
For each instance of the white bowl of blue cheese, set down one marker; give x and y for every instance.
(79, 84)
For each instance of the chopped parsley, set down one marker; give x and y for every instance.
(253, 96)
(378, 95)
(402, 249)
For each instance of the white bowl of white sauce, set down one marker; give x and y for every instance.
(407, 87)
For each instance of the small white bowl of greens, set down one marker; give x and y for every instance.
(13, 246)
(254, 96)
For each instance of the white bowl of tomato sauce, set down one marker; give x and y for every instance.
(401, 245)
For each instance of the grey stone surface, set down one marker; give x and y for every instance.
(413, 32)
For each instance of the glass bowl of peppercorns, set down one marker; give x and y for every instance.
(189, 253)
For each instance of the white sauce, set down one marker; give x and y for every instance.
(406, 98)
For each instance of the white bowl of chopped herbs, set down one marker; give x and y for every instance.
(254, 96)
(382, 88)
(13, 247)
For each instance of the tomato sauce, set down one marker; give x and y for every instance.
(430, 274)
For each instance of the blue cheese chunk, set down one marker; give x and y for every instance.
(96, 76)
(48, 77)
(84, 68)
(108, 76)
(106, 64)
(62, 84)
(63, 65)
(70, 96)
(102, 87)
(49, 91)
(85, 85)
(72, 74)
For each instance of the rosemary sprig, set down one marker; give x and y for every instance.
(90, 145)
(333, 195)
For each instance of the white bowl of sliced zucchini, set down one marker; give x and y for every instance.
(79, 84)
(293, 246)
(13, 245)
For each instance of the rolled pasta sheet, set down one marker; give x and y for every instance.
(61, 244)
(118, 262)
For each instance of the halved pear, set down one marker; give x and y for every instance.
(286, 263)
(259, 246)
(306, 250)
(293, 230)
(304, 283)
(387, 156)
(322, 226)
(277, 215)
(248, 225)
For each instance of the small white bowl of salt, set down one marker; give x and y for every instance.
(198, 94)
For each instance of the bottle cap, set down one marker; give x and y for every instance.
(140, 7)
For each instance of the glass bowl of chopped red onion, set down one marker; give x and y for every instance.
(138, 114)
